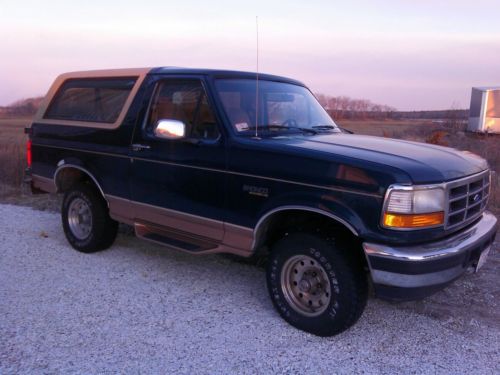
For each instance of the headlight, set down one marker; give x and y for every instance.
(413, 207)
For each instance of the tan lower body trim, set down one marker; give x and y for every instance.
(44, 183)
(229, 237)
(120, 209)
(137, 211)
(236, 236)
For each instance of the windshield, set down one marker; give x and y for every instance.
(281, 107)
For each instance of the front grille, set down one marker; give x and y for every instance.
(467, 199)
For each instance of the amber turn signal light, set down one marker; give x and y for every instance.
(413, 220)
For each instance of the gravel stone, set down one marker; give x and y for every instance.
(140, 308)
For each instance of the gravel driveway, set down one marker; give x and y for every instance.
(141, 308)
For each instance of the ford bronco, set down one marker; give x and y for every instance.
(209, 161)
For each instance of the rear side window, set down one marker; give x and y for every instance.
(91, 100)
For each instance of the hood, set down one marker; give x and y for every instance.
(424, 163)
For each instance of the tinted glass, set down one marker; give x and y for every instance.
(186, 101)
(91, 100)
(281, 106)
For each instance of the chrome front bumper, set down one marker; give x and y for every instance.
(412, 272)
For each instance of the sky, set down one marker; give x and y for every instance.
(412, 55)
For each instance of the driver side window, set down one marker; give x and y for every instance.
(186, 101)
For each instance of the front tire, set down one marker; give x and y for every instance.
(86, 221)
(316, 284)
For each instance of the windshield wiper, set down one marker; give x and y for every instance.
(324, 127)
(284, 127)
(344, 130)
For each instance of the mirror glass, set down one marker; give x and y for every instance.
(170, 129)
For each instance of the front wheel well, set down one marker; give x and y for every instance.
(282, 223)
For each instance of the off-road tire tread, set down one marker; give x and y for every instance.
(348, 266)
(104, 229)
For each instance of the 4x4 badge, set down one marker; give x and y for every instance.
(256, 190)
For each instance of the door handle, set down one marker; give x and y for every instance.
(139, 147)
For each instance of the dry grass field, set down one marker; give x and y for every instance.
(12, 150)
(13, 140)
(379, 128)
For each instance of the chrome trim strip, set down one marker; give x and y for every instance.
(256, 232)
(64, 166)
(460, 181)
(466, 181)
(415, 281)
(460, 243)
(439, 249)
(331, 188)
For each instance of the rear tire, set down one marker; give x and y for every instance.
(86, 221)
(316, 284)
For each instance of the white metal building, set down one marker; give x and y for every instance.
(484, 114)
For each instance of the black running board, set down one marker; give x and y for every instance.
(174, 240)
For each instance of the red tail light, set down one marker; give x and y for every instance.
(28, 153)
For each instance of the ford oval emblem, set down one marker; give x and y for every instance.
(476, 197)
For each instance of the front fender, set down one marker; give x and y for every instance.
(338, 207)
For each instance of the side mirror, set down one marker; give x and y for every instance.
(170, 129)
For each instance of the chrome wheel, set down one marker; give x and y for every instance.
(79, 218)
(305, 285)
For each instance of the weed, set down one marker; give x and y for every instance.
(437, 138)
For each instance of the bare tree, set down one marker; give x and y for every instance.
(344, 107)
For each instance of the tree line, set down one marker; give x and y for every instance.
(339, 108)
(346, 108)
(22, 108)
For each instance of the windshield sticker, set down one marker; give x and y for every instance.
(241, 126)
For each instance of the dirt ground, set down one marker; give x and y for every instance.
(140, 308)
(471, 301)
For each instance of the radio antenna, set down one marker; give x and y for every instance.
(257, 80)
